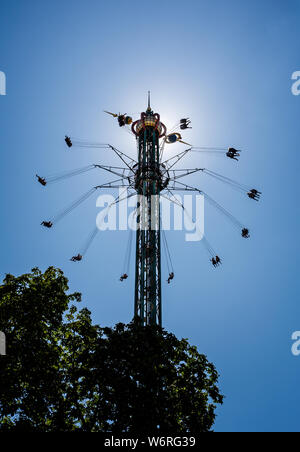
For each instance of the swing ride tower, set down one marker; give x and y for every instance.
(149, 181)
(150, 177)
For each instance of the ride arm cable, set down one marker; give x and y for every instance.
(120, 154)
(73, 206)
(186, 187)
(95, 231)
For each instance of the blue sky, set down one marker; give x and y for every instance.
(228, 66)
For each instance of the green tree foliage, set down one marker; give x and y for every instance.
(63, 373)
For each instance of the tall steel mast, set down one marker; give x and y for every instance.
(149, 182)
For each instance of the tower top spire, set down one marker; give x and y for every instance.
(149, 108)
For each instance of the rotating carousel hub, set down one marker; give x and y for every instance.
(150, 173)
